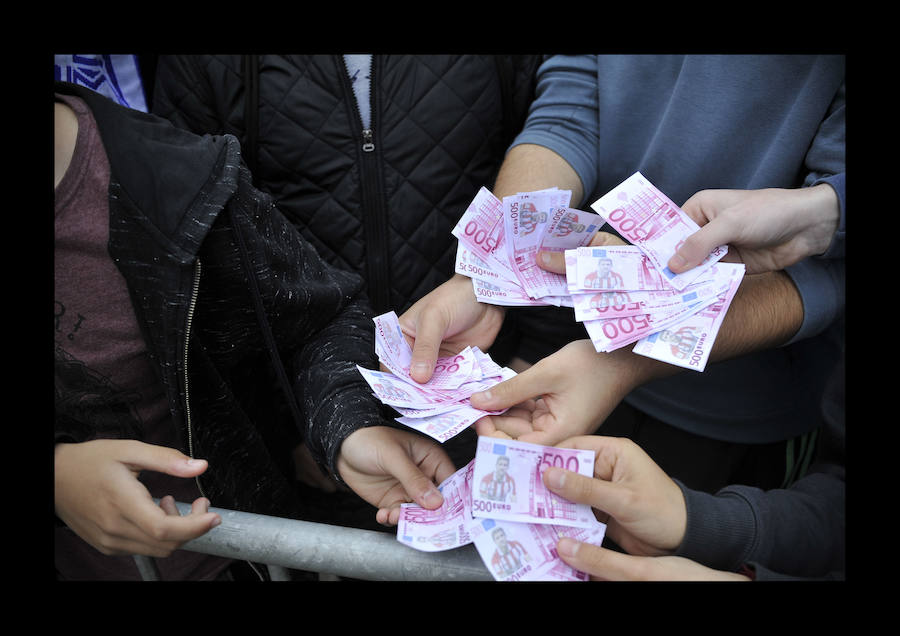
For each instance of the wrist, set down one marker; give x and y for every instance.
(822, 211)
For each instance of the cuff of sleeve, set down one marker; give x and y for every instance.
(821, 287)
(836, 248)
(720, 529)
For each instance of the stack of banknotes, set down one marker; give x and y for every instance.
(622, 294)
(439, 408)
(498, 501)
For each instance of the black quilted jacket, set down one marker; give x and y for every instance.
(380, 203)
(232, 303)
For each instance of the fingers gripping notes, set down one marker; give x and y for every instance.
(499, 503)
(499, 242)
(624, 295)
(439, 408)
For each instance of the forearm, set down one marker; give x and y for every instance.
(529, 167)
(334, 399)
(765, 313)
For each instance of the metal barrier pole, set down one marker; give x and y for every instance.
(147, 567)
(317, 547)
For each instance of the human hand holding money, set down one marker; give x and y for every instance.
(770, 229)
(643, 507)
(445, 321)
(513, 252)
(439, 408)
(499, 503)
(578, 389)
(387, 466)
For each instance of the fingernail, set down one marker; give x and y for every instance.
(545, 258)
(555, 477)
(567, 547)
(484, 396)
(194, 463)
(215, 522)
(677, 262)
(432, 499)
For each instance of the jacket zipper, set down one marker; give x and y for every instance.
(187, 392)
(374, 214)
(195, 290)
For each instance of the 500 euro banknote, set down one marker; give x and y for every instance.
(688, 342)
(526, 216)
(443, 528)
(481, 229)
(514, 551)
(611, 268)
(557, 227)
(395, 353)
(646, 217)
(615, 304)
(440, 407)
(614, 333)
(507, 482)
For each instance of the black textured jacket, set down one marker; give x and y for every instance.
(232, 304)
(380, 202)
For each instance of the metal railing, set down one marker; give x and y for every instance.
(330, 550)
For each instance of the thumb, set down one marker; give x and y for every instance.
(140, 456)
(600, 494)
(603, 563)
(429, 333)
(416, 484)
(517, 389)
(552, 261)
(698, 245)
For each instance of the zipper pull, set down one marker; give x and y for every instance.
(368, 145)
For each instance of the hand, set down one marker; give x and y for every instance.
(446, 321)
(608, 565)
(568, 393)
(644, 512)
(645, 509)
(767, 229)
(387, 467)
(97, 494)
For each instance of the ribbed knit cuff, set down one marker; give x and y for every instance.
(721, 529)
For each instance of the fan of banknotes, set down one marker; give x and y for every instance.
(622, 294)
(439, 408)
(498, 501)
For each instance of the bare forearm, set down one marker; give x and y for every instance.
(765, 313)
(529, 167)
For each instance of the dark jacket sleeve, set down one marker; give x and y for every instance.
(790, 533)
(787, 533)
(321, 322)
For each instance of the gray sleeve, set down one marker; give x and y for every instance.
(563, 115)
(796, 532)
(838, 183)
